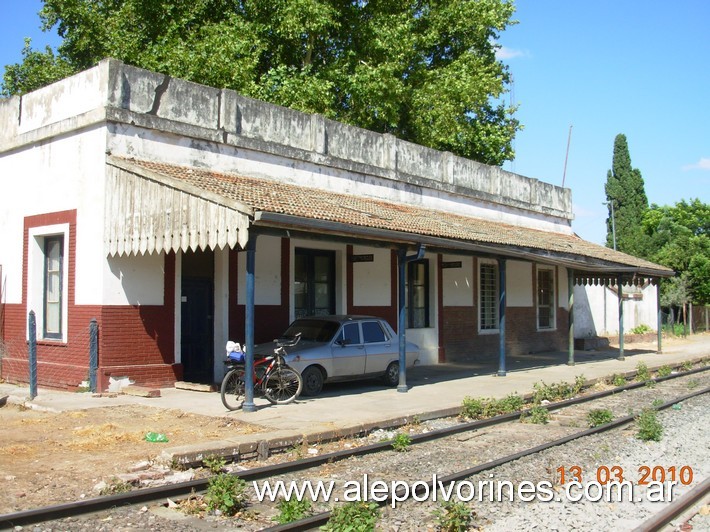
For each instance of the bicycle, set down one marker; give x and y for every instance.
(273, 378)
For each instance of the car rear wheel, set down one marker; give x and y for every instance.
(312, 381)
(391, 376)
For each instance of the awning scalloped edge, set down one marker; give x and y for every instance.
(147, 212)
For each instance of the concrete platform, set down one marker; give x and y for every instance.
(353, 408)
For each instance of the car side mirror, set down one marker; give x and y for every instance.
(342, 342)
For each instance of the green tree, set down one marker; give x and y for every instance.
(424, 70)
(679, 237)
(625, 194)
(36, 70)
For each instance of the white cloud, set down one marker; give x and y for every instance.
(702, 164)
(509, 53)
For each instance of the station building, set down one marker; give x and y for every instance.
(145, 203)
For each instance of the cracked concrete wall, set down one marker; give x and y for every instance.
(120, 93)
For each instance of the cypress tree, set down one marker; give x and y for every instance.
(625, 190)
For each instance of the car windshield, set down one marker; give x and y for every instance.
(313, 330)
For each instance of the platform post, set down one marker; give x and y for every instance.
(249, 405)
(619, 283)
(403, 260)
(501, 318)
(659, 324)
(570, 325)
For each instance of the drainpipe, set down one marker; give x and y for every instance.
(501, 318)
(403, 260)
(249, 405)
(619, 281)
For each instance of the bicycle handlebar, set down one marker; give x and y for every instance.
(288, 342)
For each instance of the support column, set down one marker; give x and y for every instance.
(501, 318)
(249, 405)
(659, 324)
(570, 325)
(619, 281)
(402, 260)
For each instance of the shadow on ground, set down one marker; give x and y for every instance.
(423, 375)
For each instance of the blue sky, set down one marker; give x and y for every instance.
(637, 67)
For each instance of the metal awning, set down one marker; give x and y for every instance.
(149, 211)
(158, 206)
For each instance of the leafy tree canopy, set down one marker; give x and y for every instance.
(679, 237)
(424, 70)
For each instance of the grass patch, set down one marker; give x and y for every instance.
(642, 373)
(226, 493)
(353, 517)
(401, 442)
(115, 486)
(476, 408)
(664, 371)
(557, 391)
(453, 516)
(648, 426)
(599, 416)
(537, 415)
(293, 510)
(618, 380)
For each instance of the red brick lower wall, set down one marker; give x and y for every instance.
(134, 341)
(462, 341)
(59, 365)
(138, 342)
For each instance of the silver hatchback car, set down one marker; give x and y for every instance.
(339, 348)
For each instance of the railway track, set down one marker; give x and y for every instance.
(176, 491)
(315, 521)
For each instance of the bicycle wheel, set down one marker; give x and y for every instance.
(282, 385)
(232, 389)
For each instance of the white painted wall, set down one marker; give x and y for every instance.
(562, 287)
(221, 310)
(518, 279)
(597, 311)
(134, 280)
(65, 174)
(133, 141)
(64, 99)
(372, 284)
(458, 282)
(267, 278)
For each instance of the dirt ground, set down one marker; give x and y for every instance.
(49, 458)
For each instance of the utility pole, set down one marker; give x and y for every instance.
(564, 172)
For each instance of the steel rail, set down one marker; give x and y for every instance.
(662, 518)
(71, 509)
(321, 519)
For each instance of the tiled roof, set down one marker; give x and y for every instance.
(284, 198)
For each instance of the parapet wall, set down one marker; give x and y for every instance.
(118, 92)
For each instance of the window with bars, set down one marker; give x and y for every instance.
(545, 299)
(488, 296)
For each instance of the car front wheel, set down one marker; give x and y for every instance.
(312, 381)
(391, 376)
